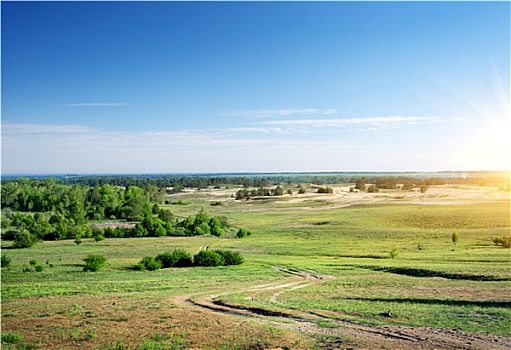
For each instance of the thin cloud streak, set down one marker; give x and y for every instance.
(95, 104)
(284, 112)
(11, 128)
(381, 122)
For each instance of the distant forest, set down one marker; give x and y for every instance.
(381, 180)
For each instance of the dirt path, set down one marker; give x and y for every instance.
(338, 334)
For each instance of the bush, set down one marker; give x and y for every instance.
(178, 258)
(33, 262)
(455, 237)
(24, 239)
(505, 242)
(325, 190)
(230, 258)
(99, 238)
(373, 189)
(394, 253)
(301, 191)
(243, 233)
(11, 338)
(150, 264)
(39, 268)
(208, 258)
(94, 262)
(78, 240)
(6, 261)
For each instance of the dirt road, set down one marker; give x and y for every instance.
(337, 334)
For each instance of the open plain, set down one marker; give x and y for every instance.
(346, 270)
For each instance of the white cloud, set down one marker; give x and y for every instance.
(43, 129)
(381, 123)
(95, 104)
(284, 112)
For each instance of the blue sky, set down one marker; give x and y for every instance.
(157, 87)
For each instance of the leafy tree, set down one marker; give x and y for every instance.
(360, 185)
(178, 258)
(278, 191)
(373, 189)
(215, 226)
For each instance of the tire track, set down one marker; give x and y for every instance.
(340, 334)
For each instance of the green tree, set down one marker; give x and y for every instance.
(94, 262)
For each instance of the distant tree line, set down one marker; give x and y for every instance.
(175, 183)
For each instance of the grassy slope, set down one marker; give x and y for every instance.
(351, 243)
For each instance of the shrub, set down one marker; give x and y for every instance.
(39, 268)
(33, 262)
(150, 263)
(243, 233)
(230, 258)
(208, 258)
(11, 338)
(78, 240)
(99, 238)
(6, 261)
(455, 237)
(373, 189)
(325, 190)
(94, 262)
(394, 253)
(301, 191)
(24, 239)
(178, 258)
(505, 242)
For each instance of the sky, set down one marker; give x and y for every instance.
(201, 87)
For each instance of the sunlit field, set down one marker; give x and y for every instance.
(336, 261)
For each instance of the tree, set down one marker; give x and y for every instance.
(94, 262)
(360, 185)
(24, 239)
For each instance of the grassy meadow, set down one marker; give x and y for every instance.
(430, 281)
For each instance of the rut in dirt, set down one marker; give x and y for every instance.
(340, 334)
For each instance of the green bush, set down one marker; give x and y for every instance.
(230, 258)
(99, 238)
(208, 258)
(33, 262)
(94, 262)
(242, 233)
(394, 253)
(11, 338)
(39, 268)
(149, 263)
(78, 240)
(24, 239)
(178, 258)
(6, 261)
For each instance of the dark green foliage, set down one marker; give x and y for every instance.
(24, 239)
(94, 262)
(230, 258)
(243, 233)
(99, 238)
(78, 240)
(178, 258)
(39, 268)
(149, 263)
(301, 191)
(208, 258)
(33, 262)
(11, 338)
(6, 261)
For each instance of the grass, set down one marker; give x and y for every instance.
(431, 282)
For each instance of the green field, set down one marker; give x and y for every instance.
(431, 282)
